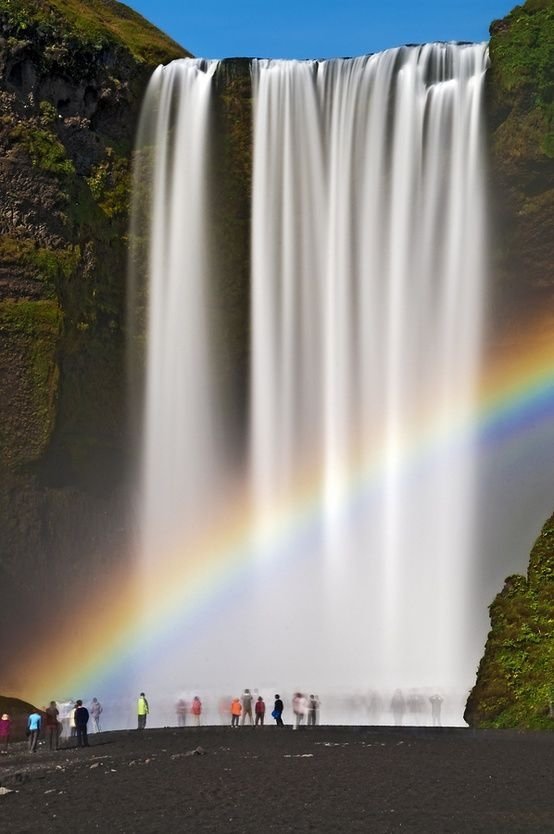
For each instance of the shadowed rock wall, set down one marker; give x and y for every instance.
(72, 76)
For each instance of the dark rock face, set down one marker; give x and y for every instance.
(72, 77)
(520, 109)
(515, 679)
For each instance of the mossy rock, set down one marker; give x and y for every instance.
(515, 680)
(520, 111)
(29, 378)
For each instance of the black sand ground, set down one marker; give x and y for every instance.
(328, 779)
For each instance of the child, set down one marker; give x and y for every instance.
(5, 730)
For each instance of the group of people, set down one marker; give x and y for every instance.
(251, 710)
(241, 709)
(195, 711)
(74, 722)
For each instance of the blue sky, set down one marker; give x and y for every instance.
(308, 29)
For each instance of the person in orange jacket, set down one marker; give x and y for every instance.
(236, 709)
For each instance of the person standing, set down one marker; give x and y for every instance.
(312, 711)
(33, 730)
(260, 711)
(236, 710)
(81, 721)
(196, 710)
(181, 710)
(247, 707)
(5, 732)
(436, 704)
(300, 709)
(96, 711)
(142, 711)
(278, 711)
(53, 726)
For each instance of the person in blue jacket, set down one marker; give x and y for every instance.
(33, 730)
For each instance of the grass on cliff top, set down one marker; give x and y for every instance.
(108, 16)
(98, 21)
(522, 49)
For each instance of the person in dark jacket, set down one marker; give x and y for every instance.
(278, 711)
(53, 726)
(81, 721)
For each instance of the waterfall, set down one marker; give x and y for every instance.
(353, 566)
(368, 297)
(181, 453)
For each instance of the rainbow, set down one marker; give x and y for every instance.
(516, 400)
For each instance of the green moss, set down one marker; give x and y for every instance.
(33, 318)
(30, 332)
(522, 56)
(48, 112)
(547, 146)
(43, 148)
(56, 265)
(50, 266)
(110, 185)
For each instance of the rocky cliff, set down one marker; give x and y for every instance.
(72, 77)
(515, 680)
(520, 110)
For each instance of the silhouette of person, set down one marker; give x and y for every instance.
(398, 707)
(53, 726)
(436, 704)
(96, 711)
(81, 721)
(278, 711)
(313, 707)
(181, 710)
(246, 706)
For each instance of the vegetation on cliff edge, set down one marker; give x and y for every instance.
(515, 681)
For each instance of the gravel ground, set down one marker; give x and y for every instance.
(326, 779)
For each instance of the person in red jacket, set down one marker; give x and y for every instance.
(196, 710)
(5, 731)
(260, 711)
